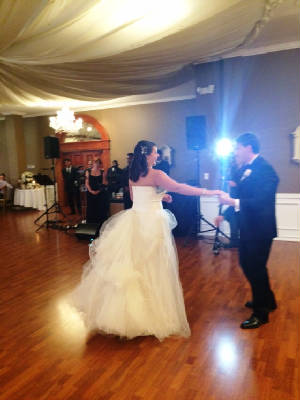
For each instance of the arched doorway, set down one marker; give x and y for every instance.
(92, 141)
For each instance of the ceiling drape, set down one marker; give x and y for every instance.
(95, 50)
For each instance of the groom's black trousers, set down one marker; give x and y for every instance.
(254, 255)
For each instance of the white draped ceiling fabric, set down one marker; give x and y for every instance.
(93, 50)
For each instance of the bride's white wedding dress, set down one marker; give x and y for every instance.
(130, 286)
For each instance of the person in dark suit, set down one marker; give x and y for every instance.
(162, 164)
(113, 177)
(125, 183)
(230, 215)
(71, 183)
(256, 204)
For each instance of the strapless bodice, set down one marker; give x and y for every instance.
(146, 198)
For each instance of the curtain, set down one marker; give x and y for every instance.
(98, 50)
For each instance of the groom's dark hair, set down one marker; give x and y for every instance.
(249, 139)
(139, 166)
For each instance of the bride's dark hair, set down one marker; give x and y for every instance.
(139, 166)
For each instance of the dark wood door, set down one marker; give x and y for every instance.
(80, 160)
(81, 153)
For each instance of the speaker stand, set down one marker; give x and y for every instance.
(217, 242)
(54, 209)
(199, 217)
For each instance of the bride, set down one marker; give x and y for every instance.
(130, 286)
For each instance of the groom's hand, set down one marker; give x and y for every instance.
(167, 198)
(226, 199)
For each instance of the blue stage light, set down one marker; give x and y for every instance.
(224, 148)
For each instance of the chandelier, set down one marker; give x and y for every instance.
(65, 121)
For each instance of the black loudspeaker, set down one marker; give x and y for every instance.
(87, 231)
(196, 132)
(51, 147)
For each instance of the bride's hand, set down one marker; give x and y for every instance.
(206, 192)
(167, 198)
(226, 199)
(220, 193)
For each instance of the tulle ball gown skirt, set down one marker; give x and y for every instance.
(130, 286)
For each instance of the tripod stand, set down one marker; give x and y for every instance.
(218, 244)
(199, 217)
(54, 209)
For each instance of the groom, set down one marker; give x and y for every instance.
(256, 203)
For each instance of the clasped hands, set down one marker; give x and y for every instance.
(94, 192)
(224, 198)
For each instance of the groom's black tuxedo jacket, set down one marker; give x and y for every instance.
(256, 191)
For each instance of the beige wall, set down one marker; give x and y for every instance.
(261, 96)
(3, 149)
(32, 144)
(163, 123)
(44, 130)
(12, 140)
(21, 145)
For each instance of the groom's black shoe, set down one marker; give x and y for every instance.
(254, 322)
(249, 304)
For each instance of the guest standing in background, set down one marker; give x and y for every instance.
(114, 175)
(162, 164)
(89, 164)
(125, 183)
(3, 185)
(97, 209)
(230, 215)
(71, 184)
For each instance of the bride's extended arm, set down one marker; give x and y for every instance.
(165, 182)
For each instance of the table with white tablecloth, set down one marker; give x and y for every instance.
(34, 198)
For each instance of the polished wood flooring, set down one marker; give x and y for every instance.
(44, 353)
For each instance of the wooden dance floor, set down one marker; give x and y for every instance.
(45, 354)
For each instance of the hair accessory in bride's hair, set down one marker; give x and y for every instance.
(143, 149)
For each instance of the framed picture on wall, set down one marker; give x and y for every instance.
(296, 144)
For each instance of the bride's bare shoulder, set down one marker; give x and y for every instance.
(157, 174)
